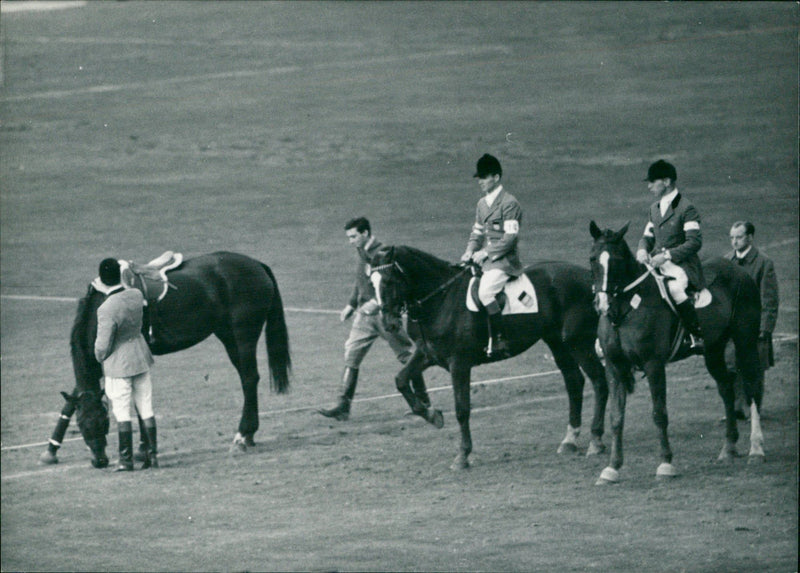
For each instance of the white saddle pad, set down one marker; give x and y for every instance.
(520, 296)
(703, 298)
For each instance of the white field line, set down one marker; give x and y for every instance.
(46, 470)
(39, 6)
(236, 74)
(370, 399)
(75, 299)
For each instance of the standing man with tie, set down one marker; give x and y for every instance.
(762, 270)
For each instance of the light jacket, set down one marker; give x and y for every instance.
(490, 231)
(120, 346)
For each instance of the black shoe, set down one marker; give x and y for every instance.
(341, 412)
(124, 467)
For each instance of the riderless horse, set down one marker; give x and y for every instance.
(638, 329)
(226, 294)
(434, 293)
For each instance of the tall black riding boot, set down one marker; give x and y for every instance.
(151, 458)
(125, 431)
(689, 318)
(498, 347)
(342, 410)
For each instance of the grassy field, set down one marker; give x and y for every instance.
(129, 128)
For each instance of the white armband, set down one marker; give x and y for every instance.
(511, 226)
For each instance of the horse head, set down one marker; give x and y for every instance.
(92, 414)
(611, 262)
(391, 288)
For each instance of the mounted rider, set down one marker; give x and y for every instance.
(493, 245)
(671, 241)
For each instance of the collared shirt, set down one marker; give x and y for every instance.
(743, 254)
(490, 197)
(666, 200)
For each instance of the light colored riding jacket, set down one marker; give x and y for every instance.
(492, 223)
(120, 346)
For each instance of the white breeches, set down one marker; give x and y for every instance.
(492, 282)
(677, 287)
(124, 392)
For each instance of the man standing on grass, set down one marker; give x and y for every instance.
(762, 270)
(367, 324)
(121, 349)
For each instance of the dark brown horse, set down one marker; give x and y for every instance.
(637, 329)
(226, 294)
(451, 336)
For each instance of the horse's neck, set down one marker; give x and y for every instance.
(427, 272)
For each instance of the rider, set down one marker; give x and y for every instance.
(493, 244)
(670, 242)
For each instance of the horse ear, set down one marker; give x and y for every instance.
(595, 230)
(623, 230)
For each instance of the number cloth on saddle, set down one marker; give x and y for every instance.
(518, 296)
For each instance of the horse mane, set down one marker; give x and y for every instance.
(87, 370)
(430, 261)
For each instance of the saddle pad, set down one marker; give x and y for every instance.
(520, 296)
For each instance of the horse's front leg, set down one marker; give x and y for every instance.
(657, 380)
(620, 383)
(460, 375)
(574, 382)
(414, 368)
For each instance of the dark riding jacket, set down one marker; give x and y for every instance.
(761, 268)
(678, 232)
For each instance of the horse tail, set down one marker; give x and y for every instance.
(277, 337)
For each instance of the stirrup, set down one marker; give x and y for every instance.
(696, 343)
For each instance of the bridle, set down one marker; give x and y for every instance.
(630, 289)
(417, 303)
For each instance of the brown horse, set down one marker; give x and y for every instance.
(637, 329)
(451, 336)
(226, 294)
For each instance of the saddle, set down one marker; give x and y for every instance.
(681, 344)
(151, 278)
(517, 297)
(700, 299)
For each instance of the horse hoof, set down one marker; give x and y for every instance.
(727, 455)
(666, 470)
(567, 448)
(249, 442)
(100, 463)
(595, 449)
(754, 459)
(460, 463)
(437, 419)
(607, 476)
(48, 458)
